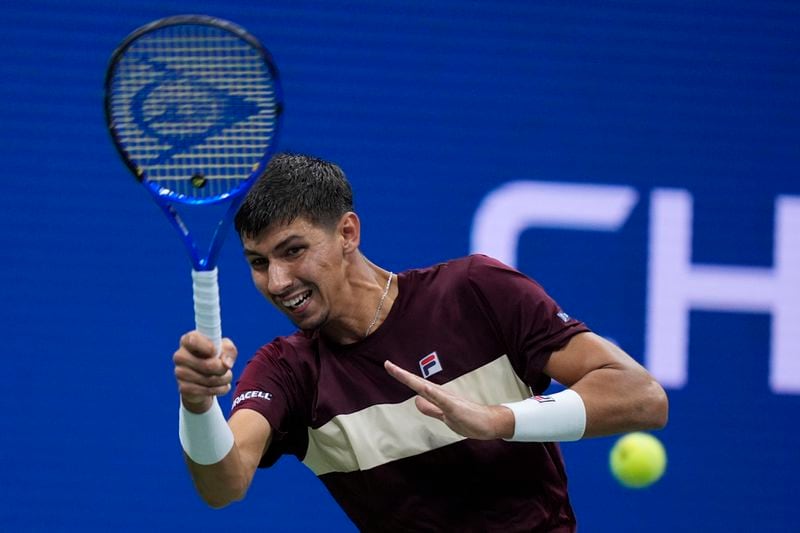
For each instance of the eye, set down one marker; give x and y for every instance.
(258, 263)
(294, 251)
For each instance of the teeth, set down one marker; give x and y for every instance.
(297, 301)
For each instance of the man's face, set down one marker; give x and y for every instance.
(299, 268)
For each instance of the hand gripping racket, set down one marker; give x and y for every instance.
(194, 106)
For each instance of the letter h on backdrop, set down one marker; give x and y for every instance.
(676, 286)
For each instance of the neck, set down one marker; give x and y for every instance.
(362, 303)
(378, 310)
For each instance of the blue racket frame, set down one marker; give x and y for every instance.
(164, 198)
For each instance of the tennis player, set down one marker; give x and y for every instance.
(420, 398)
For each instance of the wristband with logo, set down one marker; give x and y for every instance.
(558, 417)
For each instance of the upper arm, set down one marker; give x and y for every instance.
(527, 321)
(252, 435)
(618, 393)
(584, 353)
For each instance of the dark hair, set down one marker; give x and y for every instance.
(294, 186)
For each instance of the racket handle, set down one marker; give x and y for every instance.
(206, 305)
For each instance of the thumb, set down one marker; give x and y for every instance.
(228, 352)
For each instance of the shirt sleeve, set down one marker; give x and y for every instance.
(529, 323)
(270, 386)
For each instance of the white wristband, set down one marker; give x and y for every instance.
(559, 417)
(206, 438)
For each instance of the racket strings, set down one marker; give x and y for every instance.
(195, 108)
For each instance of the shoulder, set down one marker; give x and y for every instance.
(485, 271)
(440, 281)
(466, 280)
(456, 271)
(296, 343)
(480, 266)
(496, 283)
(480, 272)
(474, 272)
(295, 353)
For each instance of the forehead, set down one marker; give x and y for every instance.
(277, 234)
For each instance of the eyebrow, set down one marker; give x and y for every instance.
(281, 245)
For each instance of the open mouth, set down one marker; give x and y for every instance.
(296, 302)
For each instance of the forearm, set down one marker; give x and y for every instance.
(620, 400)
(618, 393)
(218, 470)
(221, 483)
(610, 393)
(222, 456)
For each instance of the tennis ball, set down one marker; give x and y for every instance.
(638, 460)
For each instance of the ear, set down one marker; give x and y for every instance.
(349, 230)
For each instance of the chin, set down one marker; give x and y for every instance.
(311, 323)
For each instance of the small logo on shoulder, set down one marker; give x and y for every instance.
(430, 365)
(563, 316)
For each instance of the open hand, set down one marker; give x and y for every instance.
(465, 417)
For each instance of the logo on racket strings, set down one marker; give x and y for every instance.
(183, 113)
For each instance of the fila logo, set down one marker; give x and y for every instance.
(429, 365)
(563, 316)
(543, 399)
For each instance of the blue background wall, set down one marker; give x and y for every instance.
(428, 106)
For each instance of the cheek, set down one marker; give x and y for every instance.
(327, 261)
(322, 270)
(320, 258)
(260, 280)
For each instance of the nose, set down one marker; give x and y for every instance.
(278, 278)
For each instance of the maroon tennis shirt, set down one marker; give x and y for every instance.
(474, 325)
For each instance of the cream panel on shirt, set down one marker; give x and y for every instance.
(383, 433)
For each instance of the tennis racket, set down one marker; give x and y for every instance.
(194, 104)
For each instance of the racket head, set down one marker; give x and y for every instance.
(194, 106)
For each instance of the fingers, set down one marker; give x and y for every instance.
(463, 416)
(186, 374)
(199, 345)
(406, 378)
(209, 367)
(199, 353)
(431, 392)
(427, 408)
(194, 393)
(229, 353)
(199, 372)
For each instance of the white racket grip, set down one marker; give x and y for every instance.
(207, 318)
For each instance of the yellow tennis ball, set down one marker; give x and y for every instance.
(638, 460)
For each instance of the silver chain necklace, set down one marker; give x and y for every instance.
(380, 304)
